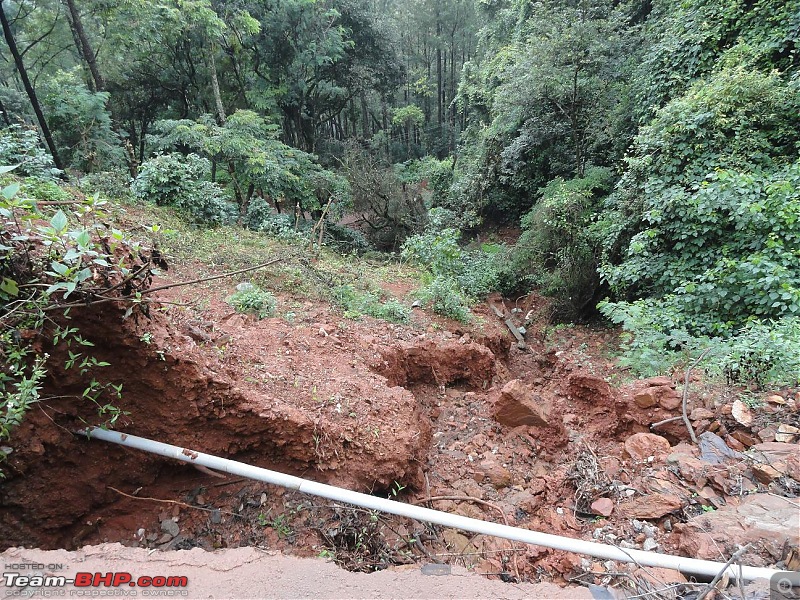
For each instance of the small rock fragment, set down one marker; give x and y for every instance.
(171, 527)
(742, 413)
(640, 446)
(649, 545)
(765, 474)
(603, 507)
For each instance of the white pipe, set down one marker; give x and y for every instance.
(604, 551)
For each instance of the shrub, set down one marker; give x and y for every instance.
(21, 146)
(446, 298)
(178, 180)
(357, 303)
(251, 299)
(657, 341)
(558, 250)
(114, 184)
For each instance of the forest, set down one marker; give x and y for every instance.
(644, 153)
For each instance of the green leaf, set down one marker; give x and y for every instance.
(83, 239)
(10, 190)
(59, 221)
(59, 268)
(9, 286)
(7, 168)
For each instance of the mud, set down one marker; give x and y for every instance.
(406, 412)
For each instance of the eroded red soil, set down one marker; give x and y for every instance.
(399, 411)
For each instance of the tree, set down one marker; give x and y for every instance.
(23, 74)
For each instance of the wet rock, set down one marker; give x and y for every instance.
(714, 450)
(640, 446)
(519, 405)
(603, 507)
(768, 522)
(652, 506)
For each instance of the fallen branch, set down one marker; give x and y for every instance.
(203, 508)
(164, 287)
(477, 501)
(665, 421)
(736, 556)
(684, 416)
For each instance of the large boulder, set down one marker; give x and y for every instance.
(519, 405)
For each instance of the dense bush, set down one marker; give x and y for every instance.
(113, 184)
(22, 146)
(180, 181)
(559, 248)
(251, 299)
(357, 303)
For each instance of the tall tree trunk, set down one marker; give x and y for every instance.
(438, 72)
(212, 67)
(23, 74)
(84, 46)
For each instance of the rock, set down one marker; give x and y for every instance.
(659, 577)
(745, 438)
(659, 381)
(164, 539)
(741, 413)
(216, 516)
(768, 433)
(698, 414)
(603, 507)
(714, 450)
(496, 473)
(776, 399)
(519, 405)
(768, 522)
(765, 474)
(171, 527)
(649, 545)
(652, 506)
(793, 467)
(787, 433)
(656, 390)
(645, 398)
(460, 544)
(640, 446)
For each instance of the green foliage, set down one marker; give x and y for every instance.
(21, 146)
(44, 190)
(114, 184)
(81, 124)
(251, 299)
(761, 353)
(356, 303)
(180, 181)
(446, 298)
(248, 144)
(559, 246)
(458, 276)
(709, 205)
(695, 36)
(47, 261)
